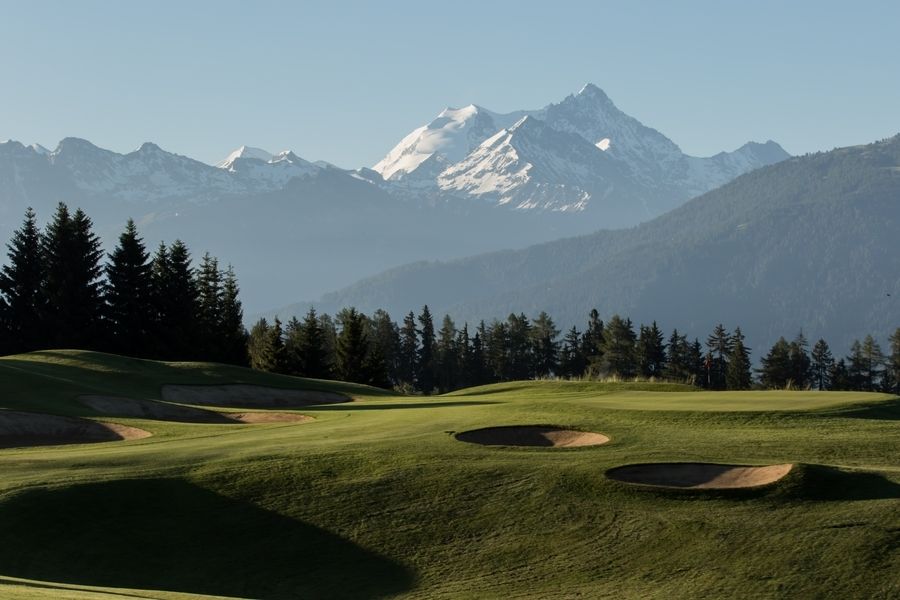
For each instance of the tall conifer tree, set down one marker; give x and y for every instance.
(21, 280)
(129, 295)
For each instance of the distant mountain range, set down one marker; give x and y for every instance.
(295, 228)
(811, 243)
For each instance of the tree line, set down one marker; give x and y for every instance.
(59, 289)
(415, 355)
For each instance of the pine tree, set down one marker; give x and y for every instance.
(384, 337)
(520, 360)
(425, 374)
(839, 376)
(352, 347)
(856, 368)
(72, 285)
(260, 347)
(545, 346)
(176, 302)
(478, 366)
(129, 295)
(776, 372)
(233, 334)
(822, 363)
(496, 349)
(873, 359)
(447, 357)
(893, 364)
(619, 348)
(572, 362)
(209, 304)
(800, 364)
(679, 365)
(720, 347)
(464, 359)
(699, 371)
(650, 351)
(408, 352)
(738, 376)
(592, 344)
(20, 288)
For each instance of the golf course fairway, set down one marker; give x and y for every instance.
(374, 495)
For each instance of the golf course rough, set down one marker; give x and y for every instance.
(709, 476)
(532, 435)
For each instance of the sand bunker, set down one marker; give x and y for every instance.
(532, 435)
(699, 475)
(114, 406)
(267, 417)
(247, 396)
(18, 429)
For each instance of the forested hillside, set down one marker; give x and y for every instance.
(809, 243)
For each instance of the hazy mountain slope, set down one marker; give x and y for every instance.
(811, 242)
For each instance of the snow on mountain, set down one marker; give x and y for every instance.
(265, 171)
(474, 151)
(150, 174)
(530, 165)
(245, 152)
(444, 141)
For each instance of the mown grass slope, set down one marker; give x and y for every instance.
(376, 498)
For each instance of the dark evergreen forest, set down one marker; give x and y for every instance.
(59, 289)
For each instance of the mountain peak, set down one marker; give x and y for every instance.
(149, 148)
(589, 90)
(245, 152)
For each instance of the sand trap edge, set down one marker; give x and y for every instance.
(22, 429)
(718, 476)
(532, 436)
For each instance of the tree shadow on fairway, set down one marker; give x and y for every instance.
(168, 534)
(827, 484)
(879, 411)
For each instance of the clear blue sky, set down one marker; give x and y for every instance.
(344, 81)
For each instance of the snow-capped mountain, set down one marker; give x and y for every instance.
(625, 164)
(530, 165)
(244, 152)
(265, 171)
(430, 149)
(506, 180)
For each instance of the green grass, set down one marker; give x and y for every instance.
(376, 498)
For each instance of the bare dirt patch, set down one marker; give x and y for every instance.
(699, 475)
(247, 396)
(532, 435)
(268, 417)
(21, 429)
(116, 406)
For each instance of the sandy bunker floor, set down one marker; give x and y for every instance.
(18, 429)
(532, 435)
(699, 475)
(247, 396)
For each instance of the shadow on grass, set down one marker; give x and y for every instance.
(880, 411)
(168, 534)
(392, 405)
(829, 484)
